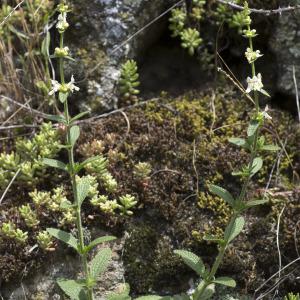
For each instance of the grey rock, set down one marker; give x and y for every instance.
(101, 26)
(285, 43)
(42, 286)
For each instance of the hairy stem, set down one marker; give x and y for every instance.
(72, 174)
(221, 251)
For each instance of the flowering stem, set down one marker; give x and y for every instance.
(72, 174)
(222, 248)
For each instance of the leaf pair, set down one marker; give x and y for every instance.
(54, 163)
(70, 240)
(62, 119)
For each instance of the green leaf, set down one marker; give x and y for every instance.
(206, 294)
(83, 189)
(100, 240)
(234, 228)
(264, 92)
(74, 134)
(181, 297)
(122, 295)
(270, 148)
(256, 166)
(79, 116)
(237, 141)
(90, 160)
(154, 297)
(67, 204)
(66, 237)
(253, 126)
(222, 193)
(227, 281)
(192, 260)
(63, 97)
(255, 203)
(73, 288)
(211, 238)
(46, 45)
(100, 262)
(56, 118)
(55, 164)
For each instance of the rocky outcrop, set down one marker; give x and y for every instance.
(285, 43)
(101, 26)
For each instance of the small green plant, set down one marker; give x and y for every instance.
(255, 145)
(129, 81)
(28, 157)
(177, 21)
(82, 186)
(45, 240)
(9, 230)
(190, 40)
(291, 296)
(29, 215)
(127, 202)
(142, 170)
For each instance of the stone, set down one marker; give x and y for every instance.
(101, 27)
(285, 43)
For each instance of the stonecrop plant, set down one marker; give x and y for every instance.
(82, 186)
(129, 81)
(254, 144)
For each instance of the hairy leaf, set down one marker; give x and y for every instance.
(211, 238)
(237, 141)
(192, 260)
(270, 148)
(227, 281)
(63, 97)
(83, 188)
(234, 228)
(56, 118)
(154, 297)
(257, 165)
(74, 134)
(66, 237)
(79, 116)
(255, 203)
(100, 262)
(55, 164)
(98, 241)
(122, 295)
(222, 193)
(73, 288)
(253, 126)
(90, 160)
(206, 294)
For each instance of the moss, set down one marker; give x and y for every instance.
(147, 251)
(176, 137)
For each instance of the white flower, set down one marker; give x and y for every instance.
(255, 84)
(55, 87)
(71, 86)
(62, 24)
(252, 56)
(265, 113)
(63, 88)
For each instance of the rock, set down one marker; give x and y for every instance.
(43, 285)
(101, 26)
(285, 43)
